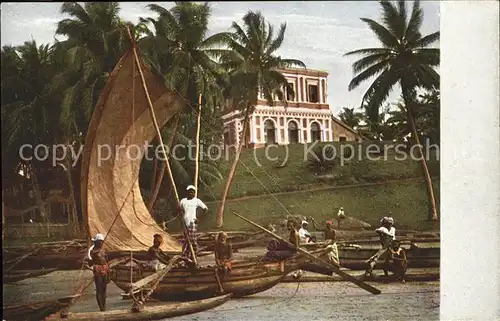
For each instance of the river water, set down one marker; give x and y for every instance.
(284, 302)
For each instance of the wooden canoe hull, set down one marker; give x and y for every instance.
(37, 311)
(71, 259)
(420, 277)
(154, 312)
(412, 264)
(246, 278)
(22, 275)
(414, 251)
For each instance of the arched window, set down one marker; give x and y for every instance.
(315, 132)
(269, 132)
(293, 132)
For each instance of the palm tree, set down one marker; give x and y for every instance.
(28, 108)
(350, 117)
(96, 40)
(403, 59)
(178, 46)
(254, 68)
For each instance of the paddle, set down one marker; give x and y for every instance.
(336, 270)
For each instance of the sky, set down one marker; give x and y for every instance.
(318, 33)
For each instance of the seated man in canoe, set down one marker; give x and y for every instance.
(188, 207)
(304, 235)
(396, 261)
(223, 251)
(280, 250)
(158, 259)
(387, 234)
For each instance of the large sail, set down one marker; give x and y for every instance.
(111, 199)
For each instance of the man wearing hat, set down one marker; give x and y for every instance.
(187, 208)
(387, 234)
(305, 236)
(100, 267)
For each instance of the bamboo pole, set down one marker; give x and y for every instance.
(332, 267)
(197, 155)
(155, 122)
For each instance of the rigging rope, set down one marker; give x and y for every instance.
(133, 194)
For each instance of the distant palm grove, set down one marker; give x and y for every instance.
(49, 91)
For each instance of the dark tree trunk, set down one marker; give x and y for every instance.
(163, 167)
(432, 215)
(230, 176)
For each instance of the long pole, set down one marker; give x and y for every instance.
(151, 109)
(197, 155)
(335, 269)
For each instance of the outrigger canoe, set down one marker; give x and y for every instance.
(19, 275)
(353, 255)
(37, 311)
(151, 311)
(247, 277)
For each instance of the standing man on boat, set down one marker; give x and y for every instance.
(329, 234)
(98, 261)
(188, 207)
(387, 234)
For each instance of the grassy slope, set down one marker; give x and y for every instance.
(297, 176)
(406, 200)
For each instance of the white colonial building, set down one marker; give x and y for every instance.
(306, 118)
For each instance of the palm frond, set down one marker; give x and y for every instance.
(416, 19)
(385, 36)
(368, 73)
(370, 51)
(427, 40)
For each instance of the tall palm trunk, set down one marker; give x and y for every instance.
(39, 199)
(432, 215)
(230, 176)
(155, 168)
(3, 218)
(163, 166)
(74, 216)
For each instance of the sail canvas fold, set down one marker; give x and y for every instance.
(114, 149)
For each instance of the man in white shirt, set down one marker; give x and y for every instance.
(340, 217)
(387, 234)
(304, 235)
(187, 208)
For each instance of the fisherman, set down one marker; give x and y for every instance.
(305, 236)
(329, 234)
(278, 250)
(340, 217)
(187, 208)
(396, 261)
(387, 234)
(223, 251)
(158, 258)
(98, 260)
